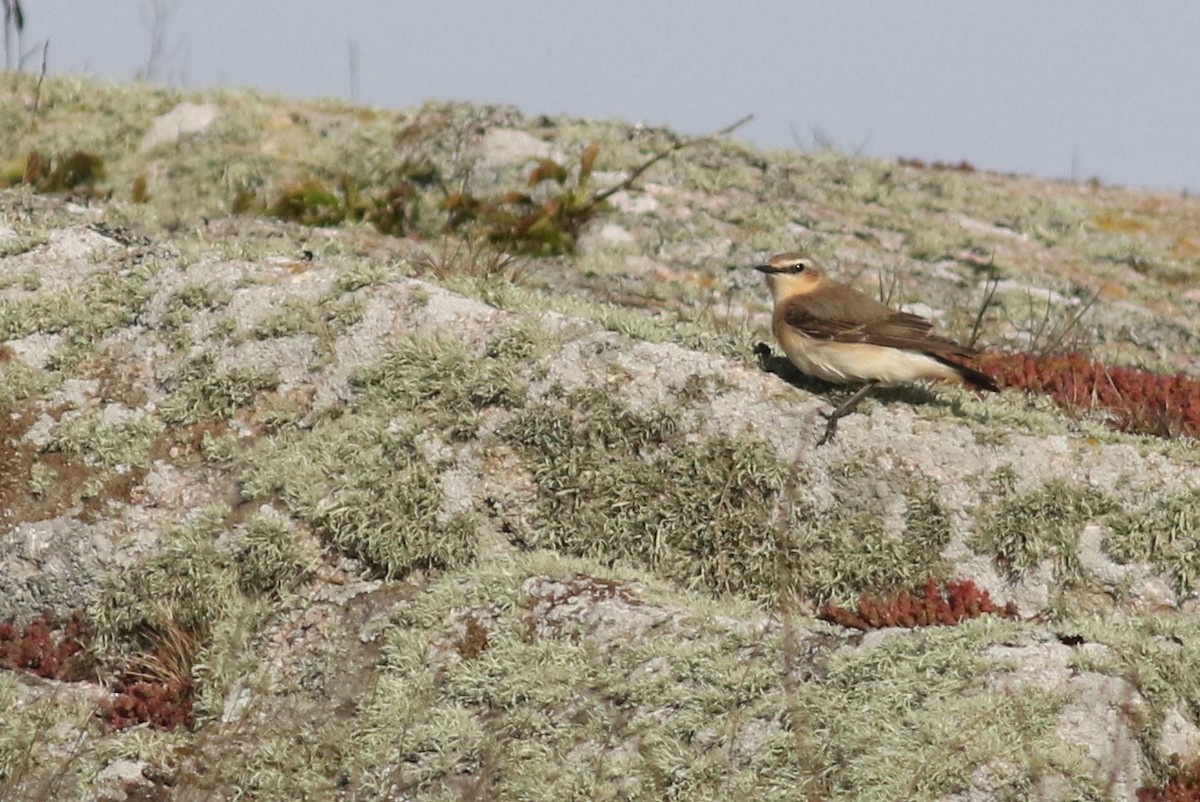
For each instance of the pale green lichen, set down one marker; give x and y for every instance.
(622, 486)
(201, 389)
(442, 380)
(1023, 530)
(108, 441)
(1165, 533)
(19, 381)
(361, 481)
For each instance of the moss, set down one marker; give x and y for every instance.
(683, 714)
(19, 381)
(296, 316)
(442, 380)
(943, 721)
(622, 486)
(1023, 530)
(287, 765)
(839, 552)
(361, 480)
(519, 343)
(363, 273)
(189, 299)
(44, 312)
(190, 580)
(199, 295)
(42, 755)
(566, 722)
(617, 485)
(109, 302)
(200, 389)
(15, 246)
(362, 483)
(195, 583)
(220, 449)
(269, 555)
(28, 280)
(1160, 656)
(345, 311)
(107, 441)
(113, 301)
(41, 479)
(1164, 533)
(226, 328)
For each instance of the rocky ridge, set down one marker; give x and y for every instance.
(428, 524)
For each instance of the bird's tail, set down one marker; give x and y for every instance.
(970, 376)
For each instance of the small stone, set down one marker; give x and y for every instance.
(186, 119)
(501, 147)
(607, 236)
(1179, 736)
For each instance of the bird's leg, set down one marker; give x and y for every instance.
(846, 407)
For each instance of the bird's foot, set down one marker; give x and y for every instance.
(847, 406)
(831, 424)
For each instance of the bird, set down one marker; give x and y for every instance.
(832, 331)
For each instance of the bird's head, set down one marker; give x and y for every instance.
(789, 273)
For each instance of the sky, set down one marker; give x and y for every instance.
(1073, 89)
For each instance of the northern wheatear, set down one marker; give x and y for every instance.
(834, 332)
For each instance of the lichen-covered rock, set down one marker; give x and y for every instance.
(403, 518)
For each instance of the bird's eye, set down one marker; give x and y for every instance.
(798, 267)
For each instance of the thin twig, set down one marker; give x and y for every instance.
(993, 285)
(37, 92)
(656, 158)
(1071, 324)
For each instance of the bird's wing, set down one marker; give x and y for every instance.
(842, 314)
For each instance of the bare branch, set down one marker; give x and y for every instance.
(656, 158)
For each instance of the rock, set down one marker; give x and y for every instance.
(504, 147)
(1179, 737)
(185, 120)
(116, 780)
(608, 236)
(566, 533)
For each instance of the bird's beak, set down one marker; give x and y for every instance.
(765, 269)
